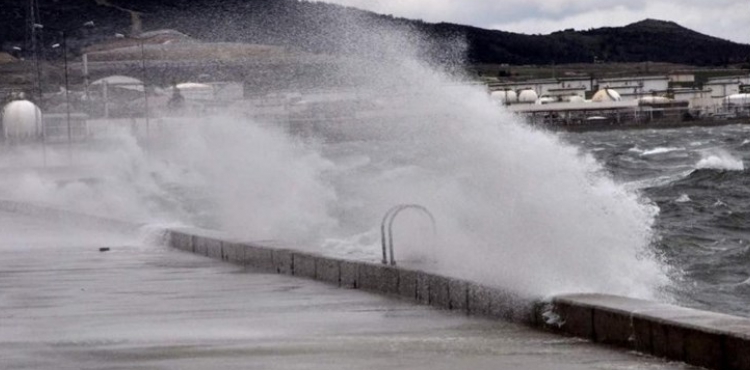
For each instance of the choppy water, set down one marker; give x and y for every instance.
(698, 179)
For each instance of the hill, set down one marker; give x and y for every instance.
(327, 28)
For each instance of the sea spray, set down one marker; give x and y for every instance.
(718, 159)
(221, 172)
(260, 183)
(515, 207)
(108, 176)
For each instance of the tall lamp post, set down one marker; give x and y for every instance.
(39, 119)
(67, 85)
(143, 78)
(64, 43)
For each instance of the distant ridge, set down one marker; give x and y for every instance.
(319, 27)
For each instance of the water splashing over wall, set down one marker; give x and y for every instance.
(515, 207)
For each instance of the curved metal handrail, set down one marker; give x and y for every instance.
(386, 235)
(383, 234)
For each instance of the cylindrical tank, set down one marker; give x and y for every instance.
(527, 96)
(741, 99)
(606, 95)
(504, 96)
(654, 100)
(21, 119)
(196, 91)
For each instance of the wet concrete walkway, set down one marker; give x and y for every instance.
(65, 305)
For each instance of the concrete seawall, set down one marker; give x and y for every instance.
(707, 339)
(696, 337)
(701, 338)
(419, 286)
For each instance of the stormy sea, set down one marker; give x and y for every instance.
(698, 179)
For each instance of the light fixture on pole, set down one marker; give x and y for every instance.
(67, 85)
(143, 78)
(64, 43)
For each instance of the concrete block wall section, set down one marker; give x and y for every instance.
(700, 338)
(233, 252)
(349, 274)
(479, 300)
(438, 291)
(304, 265)
(458, 294)
(181, 240)
(378, 278)
(328, 270)
(408, 284)
(260, 258)
(706, 339)
(283, 261)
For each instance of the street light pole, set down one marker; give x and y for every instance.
(67, 88)
(145, 93)
(64, 36)
(40, 95)
(39, 118)
(143, 78)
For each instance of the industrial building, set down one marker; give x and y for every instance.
(626, 100)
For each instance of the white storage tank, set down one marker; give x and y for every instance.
(196, 91)
(504, 96)
(21, 119)
(654, 100)
(606, 95)
(742, 99)
(527, 96)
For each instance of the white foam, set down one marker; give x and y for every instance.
(653, 182)
(635, 149)
(717, 159)
(661, 150)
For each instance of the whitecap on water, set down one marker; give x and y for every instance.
(635, 149)
(661, 150)
(655, 182)
(720, 160)
(684, 198)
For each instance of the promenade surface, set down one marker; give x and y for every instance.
(66, 305)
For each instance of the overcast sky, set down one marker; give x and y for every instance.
(727, 19)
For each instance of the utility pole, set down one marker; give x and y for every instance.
(64, 35)
(141, 41)
(145, 92)
(33, 40)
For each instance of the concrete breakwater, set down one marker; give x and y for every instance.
(707, 339)
(696, 337)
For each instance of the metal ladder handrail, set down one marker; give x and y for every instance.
(386, 235)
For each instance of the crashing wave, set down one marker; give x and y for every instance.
(720, 160)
